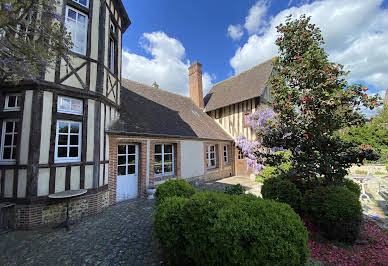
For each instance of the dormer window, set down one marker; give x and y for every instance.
(12, 102)
(112, 48)
(77, 25)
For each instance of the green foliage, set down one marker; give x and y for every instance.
(221, 229)
(353, 186)
(336, 210)
(312, 100)
(282, 191)
(278, 170)
(33, 36)
(237, 189)
(386, 166)
(171, 188)
(169, 229)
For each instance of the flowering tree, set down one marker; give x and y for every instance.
(311, 100)
(32, 37)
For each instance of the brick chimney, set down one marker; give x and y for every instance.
(195, 84)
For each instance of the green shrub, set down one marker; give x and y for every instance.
(237, 189)
(352, 186)
(386, 166)
(169, 229)
(335, 210)
(170, 188)
(275, 171)
(283, 191)
(219, 229)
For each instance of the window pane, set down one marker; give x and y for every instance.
(212, 162)
(158, 169)
(7, 153)
(62, 152)
(121, 160)
(122, 149)
(158, 148)
(64, 104)
(131, 159)
(158, 158)
(16, 128)
(74, 139)
(211, 148)
(76, 106)
(131, 149)
(121, 170)
(74, 128)
(9, 127)
(8, 140)
(168, 148)
(13, 153)
(63, 127)
(73, 152)
(168, 158)
(131, 169)
(11, 101)
(211, 155)
(83, 2)
(62, 140)
(81, 19)
(167, 168)
(18, 98)
(71, 14)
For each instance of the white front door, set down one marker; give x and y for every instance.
(127, 171)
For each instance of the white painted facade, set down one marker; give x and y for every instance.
(192, 163)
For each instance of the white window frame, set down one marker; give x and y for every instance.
(240, 155)
(79, 146)
(163, 163)
(226, 154)
(60, 110)
(14, 135)
(136, 154)
(83, 51)
(15, 108)
(208, 159)
(78, 1)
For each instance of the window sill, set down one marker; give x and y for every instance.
(67, 160)
(158, 178)
(7, 162)
(11, 110)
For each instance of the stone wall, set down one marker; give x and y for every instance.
(368, 169)
(54, 212)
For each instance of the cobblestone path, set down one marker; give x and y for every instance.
(122, 234)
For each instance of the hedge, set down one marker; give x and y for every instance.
(336, 210)
(171, 188)
(214, 228)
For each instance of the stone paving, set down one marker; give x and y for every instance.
(122, 234)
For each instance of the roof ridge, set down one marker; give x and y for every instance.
(243, 72)
(153, 88)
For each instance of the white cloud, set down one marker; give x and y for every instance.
(254, 22)
(235, 32)
(167, 65)
(355, 32)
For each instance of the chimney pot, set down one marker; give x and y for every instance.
(195, 84)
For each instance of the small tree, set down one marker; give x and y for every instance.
(311, 100)
(32, 37)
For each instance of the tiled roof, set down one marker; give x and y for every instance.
(150, 111)
(246, 85)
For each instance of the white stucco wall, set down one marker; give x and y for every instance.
(192, 158)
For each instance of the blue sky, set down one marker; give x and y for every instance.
(230, 36)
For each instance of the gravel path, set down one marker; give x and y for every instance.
(122, 234)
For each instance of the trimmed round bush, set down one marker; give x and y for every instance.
(282, 191)
(237, 189)
(335, 210)
(276, 171)
(353, 186)
(171, 188)
(169, 229)
(221, 229)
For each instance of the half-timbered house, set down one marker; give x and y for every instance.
(230, 101)
(53, 129)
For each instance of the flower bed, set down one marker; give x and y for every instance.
(370, 249)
